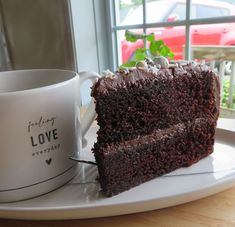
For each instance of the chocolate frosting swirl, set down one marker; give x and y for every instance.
(125, 78)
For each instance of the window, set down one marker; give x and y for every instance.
(180, 23)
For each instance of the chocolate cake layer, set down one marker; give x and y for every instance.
(138, 101)
(129, 163)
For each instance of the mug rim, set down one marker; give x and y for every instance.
(37, 89)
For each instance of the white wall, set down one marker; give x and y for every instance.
(84, 34)
(90, 38)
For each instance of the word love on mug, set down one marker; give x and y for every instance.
(50, 135)
(44, 137)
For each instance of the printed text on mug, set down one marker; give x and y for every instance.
(43, 135)
(43, 138)
(41, 122)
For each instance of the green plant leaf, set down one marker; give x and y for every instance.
(165, 51)
(226, 85)
(160, 48)
(156, 47)
(150, 37)
(133, 37)
(171, 55)
(128, 64)
(140, 54)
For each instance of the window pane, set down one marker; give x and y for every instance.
(129, 12)
(212, 8)
(127, 49)
(173, 37)
(162, 10)
(213, 34)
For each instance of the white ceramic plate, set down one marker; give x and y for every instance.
(81, 198)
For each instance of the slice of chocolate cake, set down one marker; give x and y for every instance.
(152, 121)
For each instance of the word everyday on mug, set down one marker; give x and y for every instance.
(40, 128)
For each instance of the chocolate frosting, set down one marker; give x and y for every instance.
(126, 78)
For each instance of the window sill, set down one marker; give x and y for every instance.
(226, 123)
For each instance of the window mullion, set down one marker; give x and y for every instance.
(144, 20)
(187, 50)
(214, 20)
(112, 32)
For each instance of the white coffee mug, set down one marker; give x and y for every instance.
(40, 128)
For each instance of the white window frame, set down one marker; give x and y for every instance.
(113, 28)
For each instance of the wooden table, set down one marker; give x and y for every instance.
(215, 210)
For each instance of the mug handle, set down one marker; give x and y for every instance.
(89, 115)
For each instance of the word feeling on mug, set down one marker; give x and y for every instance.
(43, 142)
